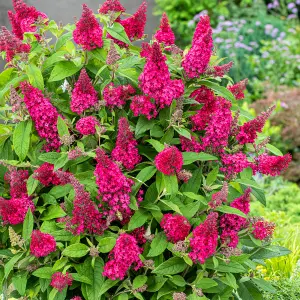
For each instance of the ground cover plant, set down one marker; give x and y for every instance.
(128, 172)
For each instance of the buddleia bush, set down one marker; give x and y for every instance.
(127, 171)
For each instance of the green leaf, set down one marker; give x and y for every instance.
(31, 185)
(76, 250)
(248, 291)
(172, 266)
(230, 210)
(138, 219)
(106, 244)
(60, 191)
(183, 132)
(131, 74)
(62, 127)
(270, 252)
(171, 184)
(190, 209)
(212, 176)
(205, 283)
(195, 197)
(274, 150)
(61, 161)
(44, 272)
(6, 76)
(27, 225)
(232, 267)
(21, 138)
(156, 283)
(172, 205)
(190, 157)
(118, 32)
(35, 76)
(19, 281)
(178, 280)
(10, 264)
(218, 89)
(139, 281)
(158, 245)
(52, 294)
(63, 70)
(50, 157)
(62, 40)
(81, 278)
(53, 212)
(59, 264)
(54, 58)
(107, 285)
(156, 145)
(264, 285)
(143, 124)
(143, 176)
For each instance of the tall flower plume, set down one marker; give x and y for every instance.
(196, 61)
(45, 175)
(238, 89)
(273, 165)
(84, 94)
(41, 244)
(88, 32)
(219, 197)
(142, 105)
(117, 96)
(24, 18)
(124, 255)
(111, 6)
(126, 150)
(43, 114)
(60, 281)
(17, 182)
(155, 80)
(169, 161)
(165, 34)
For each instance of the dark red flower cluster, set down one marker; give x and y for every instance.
(88, 32)
(85, 215)
(273, 165)
(17, 181)
(218, 198)
(45, 175)
(139, 235)
(11, 44)
(41, 244)
(111, 6)
(190, 145)
(126, 150)
(84, 95)
(231, 224)
(220, 71)
(169, 161)
(60, 281)
(248, 131)
(124, 255)
(24, 18)
(142, 105)
(87, 125)
(263, 230)
(117, 96)
(232, 164)
(238, 89)
(43, 114)
(204, 241)
(155, 80)
(197, 59)
(165, 34)
(114, 187)
(176, 227)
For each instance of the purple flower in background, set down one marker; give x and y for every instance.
(265, 54)
(219, 40)
(284, 105)
(298, 2)
(270, 6)
(275, 3)
(291, 30)
(291, 5)
(243, 21)
(221, 18)
(202, 13)
(191, 23)
(257, 23)
(250, 30)
(294, 10)
(274, 32)
(292, 16)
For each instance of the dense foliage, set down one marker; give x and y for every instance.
(128, 172)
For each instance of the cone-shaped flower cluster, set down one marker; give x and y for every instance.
(238, 89)
(155, 80)
(176, 227)
(114, 187)
(43, 114)
(11, 44)
(124, 255)
(165, 34)
(41, 244)
(110, 6)
(263, 230)
(220, 71)
(218, 198)
(232, 164)
(196, 61)
(60, 281)
(169, 161)
(45, 175)
(204, 241)
(84, 94)
(142, 105)
(24, 18)
(17, 182)
(126, 150)
(117, 96)
(87, 125)
(88, 32)
(273, 165)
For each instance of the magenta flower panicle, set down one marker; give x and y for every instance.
(165, 34)
(41, 244)
(169, 161)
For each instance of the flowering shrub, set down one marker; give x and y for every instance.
(127, 171)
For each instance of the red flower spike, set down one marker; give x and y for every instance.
(165, 34)
(238, 89)
(60, 281)
(87, 125)
(41, 244)
(169, 161)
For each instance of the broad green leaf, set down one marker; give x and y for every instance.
(6, 76)
(54, 58)
(232, 267)
(107, 285)
(35, 76)
(195, 197)
(205, 283)
(156, 145)
(63, 70)
(256, 190)
(62, 40)
(270, 252)
(31, 185)
(50, 157)
(183, 132)
(138, 219)
(143, 124)
(172, 266)
(131, 74)
(44, 272)
(171, 184)
(118, 32)
(190, 157)
(21, 138)
(155, 283)
(248, 291)
(190, 209)
(81, 278)
(218, 89)
(143, 176)
(139, 281)
(178, 280)
(53, 212)
(62, 127)
(230, 210)
(27, 225)
(264, 285)
(158, 245)
(274, 150)
(76, 250)
(212, 176)
(10, 264)
(59, 264)
(172, 205)
(19, 281)
(106, 244)
(61, 161)
(60, 191)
